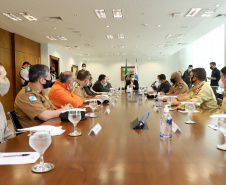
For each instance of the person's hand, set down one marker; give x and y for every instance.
(131, 85)
(153, 84)
(175, 102)
(209, 78)
(66, 107)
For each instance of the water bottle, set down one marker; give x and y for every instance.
(128, 92)
(140, 94)
(166, 124)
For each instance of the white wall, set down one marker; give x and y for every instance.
(66, 58)
(147, 70)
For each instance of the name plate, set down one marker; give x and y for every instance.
(175, 128)
(107, 111)
(113, 104)
(156, 109)
(95, 130)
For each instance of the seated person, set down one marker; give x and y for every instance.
(222, 84)
(32, 105)
(164, 85)
(60, 92)
(108, 83)
(87, 88)
(179, 86)
(81, 82)
(132, 83)
(5, 132)
(202, 92)
(100, 84)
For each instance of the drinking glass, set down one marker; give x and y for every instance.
(222, 128)
(93, 106)
(190, 107)
(170, 100)
(40, 141)
(74, 117)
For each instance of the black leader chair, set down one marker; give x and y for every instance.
(16, 123)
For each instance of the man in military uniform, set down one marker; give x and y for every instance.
(201, 92)
(179, 86)
(32, 105)
(81, 82)
(222, 84)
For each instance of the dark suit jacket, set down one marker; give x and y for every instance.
(98, 87)
(134, 83)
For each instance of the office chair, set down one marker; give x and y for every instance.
(16, 123)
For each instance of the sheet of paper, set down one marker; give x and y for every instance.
(32, 158)
(214, 127)
(184, 111)
(54, 131)
(196, 103)
(75, 109)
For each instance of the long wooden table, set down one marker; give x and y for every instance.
(121, 156)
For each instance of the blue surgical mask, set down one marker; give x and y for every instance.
(160, 81)
(69, 88)
(189, 69)
(28, 68)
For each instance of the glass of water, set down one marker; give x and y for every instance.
(93, 106)
(190, 107)
(74, 117)
(40, 141)
(222, 128)
(170, 100)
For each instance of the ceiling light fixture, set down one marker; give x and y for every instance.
(170, 36)
(159, 26)
(180, 36)
(51, 38)
(13, 17)
(193, 12)
(100, 14)
(110, 36)
(121, 36)
(210, 11)
(61, 38)
(122, 46)
(28, 16)
(117, 13)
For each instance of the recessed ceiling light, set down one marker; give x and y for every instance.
(110, 36)
(61, 38)
(121, 36)
(122, 46)
(54, 28)
(117, 13)
(161, 46)
(193, 12)
(107, 26)
(170, 35)
(100, 14)
(28, 16)
(159, 26)
(145, 24)
(51, 38)
(13, 17)
(68, 47)
(136, 46)
(209, 11)
(180, 36)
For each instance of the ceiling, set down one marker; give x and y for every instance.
(139, 25)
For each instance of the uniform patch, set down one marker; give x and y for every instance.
(32, 98)
(28, 89)
(181, 86)
(77, 85)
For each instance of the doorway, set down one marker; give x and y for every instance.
(54, 62)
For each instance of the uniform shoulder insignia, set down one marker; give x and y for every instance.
(28, 89)
(32, 98)
(181, 86)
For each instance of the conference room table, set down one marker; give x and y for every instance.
(119, 155)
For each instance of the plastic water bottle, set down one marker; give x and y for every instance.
(140, 94)
(128, 92)
(166, 124)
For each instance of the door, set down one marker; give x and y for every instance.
(54, 62)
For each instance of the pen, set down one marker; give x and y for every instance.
(17, 155)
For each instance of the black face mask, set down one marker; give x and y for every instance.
(173, 80)
(211, 68)
(192, 80)
(48, 84)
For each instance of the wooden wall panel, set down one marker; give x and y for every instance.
(6, 60)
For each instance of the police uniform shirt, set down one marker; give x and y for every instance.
(204, 94)
(78, 90)
(29, 103)
(222, 108)
(179, 88)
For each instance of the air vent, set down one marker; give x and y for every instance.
(54, 19)
(221, 15)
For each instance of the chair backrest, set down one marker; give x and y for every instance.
(16, 123)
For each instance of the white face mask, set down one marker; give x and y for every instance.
(69, 88)
(132, 79)
(221, 84)
(87, 83)
(4, 87)
(84, 68)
